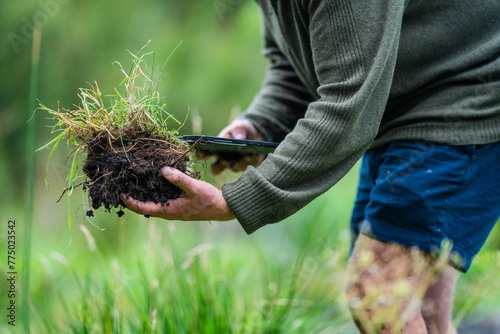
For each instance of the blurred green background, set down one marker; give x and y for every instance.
(131, 274)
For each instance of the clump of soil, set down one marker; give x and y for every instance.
(131, 165)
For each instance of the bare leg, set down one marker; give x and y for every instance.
(438, 302)
(386, 286)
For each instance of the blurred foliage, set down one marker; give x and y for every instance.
(214, 72)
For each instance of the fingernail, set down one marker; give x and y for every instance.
(239, 135)
(166, 171)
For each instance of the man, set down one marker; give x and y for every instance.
(414, 88)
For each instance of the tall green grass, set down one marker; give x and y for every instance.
(177, 277)
(176, 282)
(30, 153)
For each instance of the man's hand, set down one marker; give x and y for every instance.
(199, 201)
(237, 129)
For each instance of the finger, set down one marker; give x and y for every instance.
(219, 166)
(143, 208)
(235, 130)
(247, 160)
(226, 132)
(240, 166)
(179, 179)
(202, 154)
(239, 133)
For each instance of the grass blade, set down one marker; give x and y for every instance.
(35, 57)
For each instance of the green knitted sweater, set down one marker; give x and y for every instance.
(347, 75)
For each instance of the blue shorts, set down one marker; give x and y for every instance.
(420, 193)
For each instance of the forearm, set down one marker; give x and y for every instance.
(305, 165)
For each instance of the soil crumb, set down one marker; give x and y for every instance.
(132, 165)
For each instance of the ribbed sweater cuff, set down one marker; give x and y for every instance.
(239, 196)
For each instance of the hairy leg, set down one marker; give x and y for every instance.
(438, 302)
(386, 285)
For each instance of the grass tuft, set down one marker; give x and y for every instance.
(134, 110)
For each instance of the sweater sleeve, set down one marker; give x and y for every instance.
(282, 100)
(354, 68)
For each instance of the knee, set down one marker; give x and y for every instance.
(383, 307)
(364, 295)
(381, 294)
(357, 307)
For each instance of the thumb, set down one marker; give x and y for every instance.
(239, 133)
(178, 178)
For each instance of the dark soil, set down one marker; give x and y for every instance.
(132, 167)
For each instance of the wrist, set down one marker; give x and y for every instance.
(225, 212)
